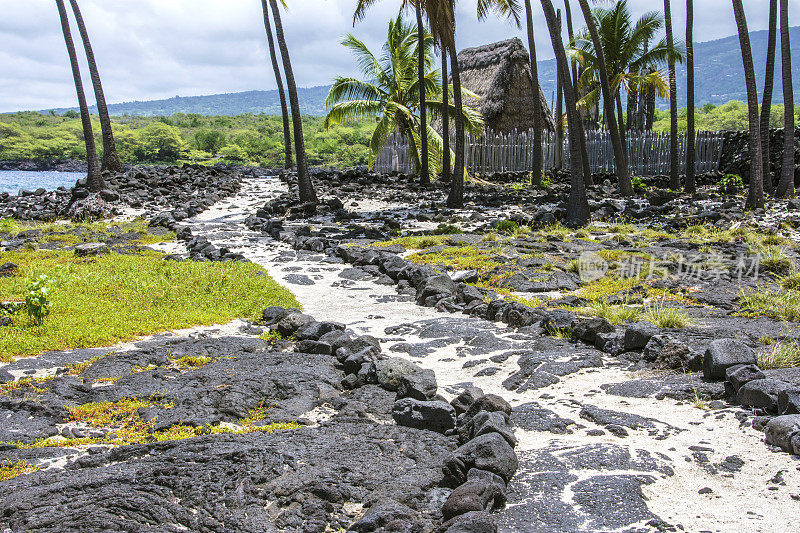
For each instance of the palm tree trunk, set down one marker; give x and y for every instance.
(93, 177)
(650, 108)
(307, 192)
(456, 197)
(577, 204)
(624, 178)
(674, 159)
(631, 107)
(766, 105)
(559, 123)
(691, 186)
(584, 151)
(424, 176)
(537, 102)
(786, 184)
(622, 135)
(755, 196)
(110, 158)
(287, 135)
(446, 164)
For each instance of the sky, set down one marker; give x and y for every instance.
(153, 49)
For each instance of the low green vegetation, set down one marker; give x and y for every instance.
(667, 317)
(781, 355)
(731, 116)
(9, 470)
(124, 426)
(244, 139)
(114, 297)
(136, 232)
(783, 305)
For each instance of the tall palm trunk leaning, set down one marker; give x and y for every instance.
(94, 178)
(424, 175)
(786, 183)
(559, 113)
(624, 178)
(446, 163)
(537, 103)
(456, 197)
(577, 205)
(690, 134)
(110, 158)
(287, 135)
(674, 161)
(755, 195)
(766, 104)
(307, 192)
(581, 134)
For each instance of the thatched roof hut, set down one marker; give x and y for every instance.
(500, 74)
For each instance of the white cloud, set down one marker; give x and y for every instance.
(161, 48)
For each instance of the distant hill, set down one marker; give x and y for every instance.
(312, 102)
(719, 78)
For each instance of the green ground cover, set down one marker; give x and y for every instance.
(115, 297)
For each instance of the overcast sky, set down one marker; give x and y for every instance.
(151, 49)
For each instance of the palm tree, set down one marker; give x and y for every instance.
(691, 187)
(624, 178)
(755, 195)
(287, 136)
(581, 134)
(93, 178)
(786, 183)
(306, 187)
(390, 90)
(766, 104)
(504, 8)
(110, 158)
(537, 103)
(424, 174)
(577, 205)
(674, 162)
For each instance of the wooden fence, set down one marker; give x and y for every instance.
(648, 152)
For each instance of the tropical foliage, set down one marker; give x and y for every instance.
(632, 64)
(389, 92)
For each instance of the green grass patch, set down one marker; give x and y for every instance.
(114, 297)
(70, 234)
(614, 314)
(9, 470)
(460, 258)
(414, 242)
(604, 287)
(127, 427)
(782, 355)
(667, 317)
(783, 305)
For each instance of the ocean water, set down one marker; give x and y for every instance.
(11, 181)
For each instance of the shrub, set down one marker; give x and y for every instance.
(37, 301)
(668, 317)
(730, 184)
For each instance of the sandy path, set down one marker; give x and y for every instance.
(691, 444)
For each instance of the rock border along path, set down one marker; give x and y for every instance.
(589, 460)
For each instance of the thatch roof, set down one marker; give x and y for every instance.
(500, 74)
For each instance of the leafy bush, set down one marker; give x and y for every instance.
(37, 301)
(507, 226)
(638, 183)
(209, 140)
(730, 184)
